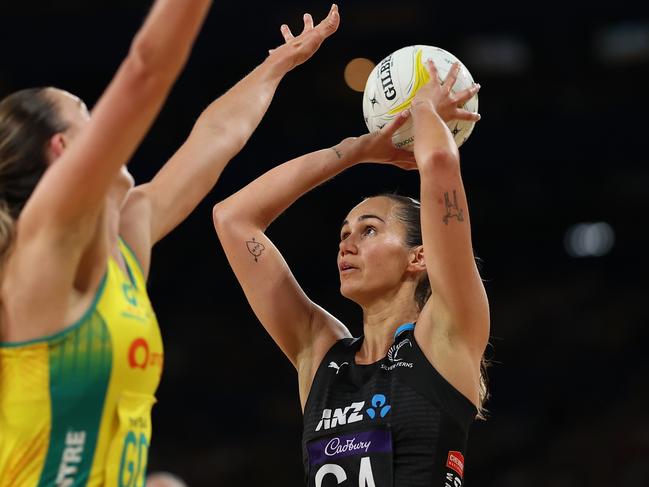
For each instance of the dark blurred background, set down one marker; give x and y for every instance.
(557, 178)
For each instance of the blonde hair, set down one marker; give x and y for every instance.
(6, 229)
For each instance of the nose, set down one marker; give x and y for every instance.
(348, 246)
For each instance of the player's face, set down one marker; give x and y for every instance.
(372, 257)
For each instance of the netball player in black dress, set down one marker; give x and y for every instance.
(392, 407)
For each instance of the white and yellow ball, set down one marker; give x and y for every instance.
(393, 83)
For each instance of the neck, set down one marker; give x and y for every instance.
(381, 318)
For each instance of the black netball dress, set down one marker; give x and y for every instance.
(394, 423)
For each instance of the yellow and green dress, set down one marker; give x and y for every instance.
(75, 407)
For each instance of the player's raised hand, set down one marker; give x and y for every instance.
(297, 50)
(440, 94)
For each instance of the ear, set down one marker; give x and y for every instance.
(417, 262)
(55, 147)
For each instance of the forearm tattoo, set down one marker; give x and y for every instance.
(452, 208)
(255, 248)
(338, 153)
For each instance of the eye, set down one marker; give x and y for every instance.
(369, 230)
(343, 236)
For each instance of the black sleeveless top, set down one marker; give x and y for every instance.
(393, 423)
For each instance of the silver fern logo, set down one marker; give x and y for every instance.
(393, 357)
(394, 350)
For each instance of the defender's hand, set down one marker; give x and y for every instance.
(297, 50)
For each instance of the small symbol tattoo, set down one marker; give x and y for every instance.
(338, 153)
(452, 209)
(255, 248)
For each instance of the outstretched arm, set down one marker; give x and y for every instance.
(76, 185)
(64, 211)
(300, 328)
(459, 303)
(218, 135)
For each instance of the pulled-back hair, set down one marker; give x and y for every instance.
(28, 119)
(408, 212)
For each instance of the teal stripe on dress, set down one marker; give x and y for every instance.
(134, 256)
(80, 368)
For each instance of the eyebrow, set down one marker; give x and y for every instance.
(364, 217)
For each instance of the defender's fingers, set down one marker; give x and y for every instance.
(330, 24)
(286, 32)
(308, 22)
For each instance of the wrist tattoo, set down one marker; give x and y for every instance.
(452, 208)
(338, 153)
(255, 248)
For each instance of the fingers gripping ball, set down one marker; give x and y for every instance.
(394, 81)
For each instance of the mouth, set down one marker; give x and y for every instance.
(346, 267)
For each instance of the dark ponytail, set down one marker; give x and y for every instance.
(28, 119)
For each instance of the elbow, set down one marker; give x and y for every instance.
(142, 74)
(217, 137)
(231, 216)
(143, 56)
(231, 220)
(439, 162)
(221, 216)
(148, 62)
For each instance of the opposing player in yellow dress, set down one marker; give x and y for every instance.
(80, 349)
(89, 387)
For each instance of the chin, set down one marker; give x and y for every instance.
(351, 292)
(344, 290)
